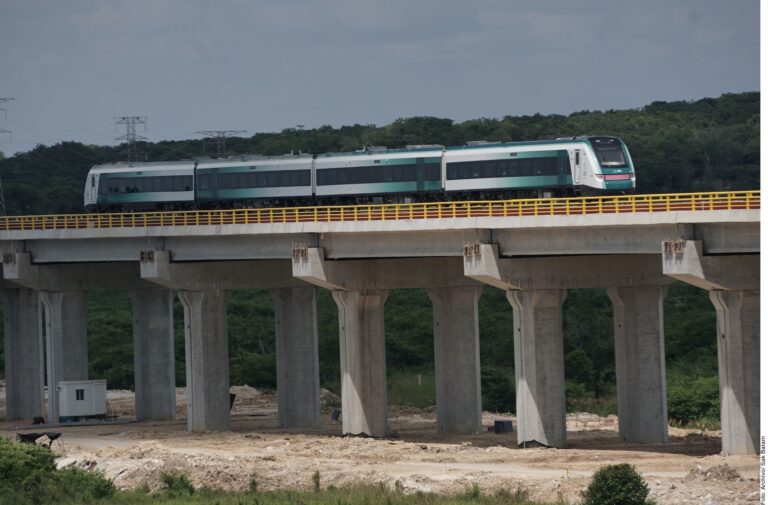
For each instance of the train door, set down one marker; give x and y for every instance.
(92, 189)
(419, 174)
(576, 162)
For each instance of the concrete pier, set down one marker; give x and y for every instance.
(457, 358)
(539, 366)
(641, 384)
(65, 328)
(153, 356)
(207, 359)
(733, 282)
(738, 355)
(298, 368)
(363, 361)
(24, 365)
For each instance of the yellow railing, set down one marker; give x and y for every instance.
(727, 200)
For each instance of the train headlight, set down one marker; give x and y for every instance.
(600, 176)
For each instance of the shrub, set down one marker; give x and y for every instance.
(177, 484)
(498, 389)
(76, 482)
(28, 475)
(691, 400)
(616, 485)
(18, 462)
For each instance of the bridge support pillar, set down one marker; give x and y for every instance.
(298, 369)
(363, 361)
(738, 355)
(641, 383)
(65, 328)
(24, 367)
(457, 358)
(539, 366)
(153, 357)
(733, 282)
(207, 359)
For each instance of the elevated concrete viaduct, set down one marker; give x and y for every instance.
(535, 259)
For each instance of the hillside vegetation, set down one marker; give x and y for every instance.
(708, 144)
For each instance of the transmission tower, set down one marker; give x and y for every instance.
(10, 136)
(130, 136)
(220, 136)
(5, 116)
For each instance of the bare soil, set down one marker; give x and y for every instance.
(258, 452)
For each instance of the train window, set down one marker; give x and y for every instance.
(608, 151)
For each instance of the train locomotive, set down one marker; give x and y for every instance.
(587, 165)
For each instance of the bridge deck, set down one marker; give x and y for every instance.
(584, 206)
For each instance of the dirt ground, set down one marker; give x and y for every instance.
(687, 470)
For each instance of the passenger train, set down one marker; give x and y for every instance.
(585, 165)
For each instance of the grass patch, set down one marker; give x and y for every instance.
(411, 388)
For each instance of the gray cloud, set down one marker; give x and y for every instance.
(267, 65)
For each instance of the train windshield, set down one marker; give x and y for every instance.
(609, 151)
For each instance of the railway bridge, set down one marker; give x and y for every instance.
(535, 250)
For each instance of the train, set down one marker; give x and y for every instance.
(584, 165)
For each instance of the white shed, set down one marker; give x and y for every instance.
(79, 399)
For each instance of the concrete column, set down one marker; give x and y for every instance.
(363, 361)
(24, 365)
(457, 358)
(539, 366)
(641, 377)
(65, 328)
(738, 356)
(298, 368)
(153, 358)
(207, 358)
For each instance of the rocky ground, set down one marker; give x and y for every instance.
(257, 452)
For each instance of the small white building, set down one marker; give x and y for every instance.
(82, 399)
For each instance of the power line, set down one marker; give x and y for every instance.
(220, 136)
(130, 136)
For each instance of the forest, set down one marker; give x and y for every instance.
(710, 144)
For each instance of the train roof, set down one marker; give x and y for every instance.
(369, 151)
(201, 162)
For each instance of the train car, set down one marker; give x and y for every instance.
(586, 165)
(379, 175)
(140, 186)
(577, 165)
(262, 180)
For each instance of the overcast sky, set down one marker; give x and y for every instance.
(263, 66)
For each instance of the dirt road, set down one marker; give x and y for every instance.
(687, 470)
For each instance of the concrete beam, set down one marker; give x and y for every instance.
(641, 383)
(374, 245)
(207, 358)
(738, 356)
(311, 266)
(24, 364)
(363, 362)
(539, 366)
(483, 264)
(684, 260)
(457, 358)
(154, 368)
(298, 367)
(19, 270)
(65, 329)
(157, 267)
